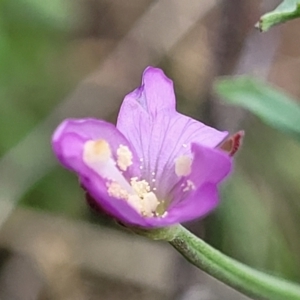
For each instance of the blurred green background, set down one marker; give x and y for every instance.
(63, 59)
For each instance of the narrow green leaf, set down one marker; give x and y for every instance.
(287, 10)
(272, 106)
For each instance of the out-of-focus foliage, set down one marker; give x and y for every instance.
(32, 43)
(260, 207)
(273, 107)
(255, 197)
(55, 14)
(69, 199)
(34, 76)
(287, 10)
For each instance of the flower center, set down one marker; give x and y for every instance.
(98, 156)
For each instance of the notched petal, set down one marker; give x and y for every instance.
(158, 90)
(154, 96)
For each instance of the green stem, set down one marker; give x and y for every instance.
(241, 277)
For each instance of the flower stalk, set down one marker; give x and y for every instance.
(248, 281)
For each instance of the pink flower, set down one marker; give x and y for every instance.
(156, 168)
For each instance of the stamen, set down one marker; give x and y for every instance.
(183, 165)
(149, 204)
(115, 190)
(124, 157)
(97, 156)
(96, 151)
(140, 187)
(164, 214)
(135, 202)
(189, 186)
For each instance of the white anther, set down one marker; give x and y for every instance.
(97, 156)
(149, 204)
(115, 190)
(135, 202)
(124, 157)
(183, 165)
(189, 186)
(96, 151)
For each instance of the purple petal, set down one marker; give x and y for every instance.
(84, 130)
(161, 140)
(68, 141)
(201, 202)
(210, 166)
(156, 93)
(70, 154)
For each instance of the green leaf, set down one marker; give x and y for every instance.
(287, 10)
(273, 107)
(52, 14)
